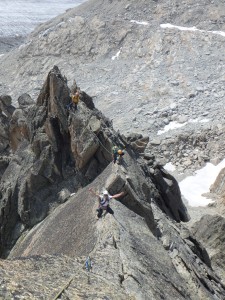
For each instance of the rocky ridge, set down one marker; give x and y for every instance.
(145, 251)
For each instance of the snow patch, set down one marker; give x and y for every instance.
(25, 44)
(51, 29)
(218, 32)
(193, 120)
(1, 55)
(117, 55)
(168, 25)
(169, 167)
(204, 121)
(140, 22)
(192, 187)
(172, 125)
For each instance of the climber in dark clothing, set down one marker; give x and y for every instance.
(104, 200)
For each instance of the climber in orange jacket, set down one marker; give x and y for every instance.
(75, 98)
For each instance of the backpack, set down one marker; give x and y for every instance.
(75, 99)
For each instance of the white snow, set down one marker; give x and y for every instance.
(204, 121)
(169, 167)
(194, 120)
(218, 32)
(168, 25)
(192, 187)
(199, 120)
(140, 22)
(172, 125)
(117, 55)
(51, 29)
(1, 55)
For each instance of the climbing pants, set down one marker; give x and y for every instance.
(108, 209)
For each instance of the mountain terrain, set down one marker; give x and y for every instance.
(141, 66)
(50, 159)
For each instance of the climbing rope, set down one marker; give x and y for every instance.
(63, 289)
(102, 144)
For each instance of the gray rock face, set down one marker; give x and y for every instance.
(60, 277)
(144, 251)
(125, 249)
(50, 145)
(218, 186)
(210, 231)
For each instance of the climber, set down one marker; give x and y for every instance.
(117, 154)
(88, 264)
(120, 156)
(104, 201)
(75, 99)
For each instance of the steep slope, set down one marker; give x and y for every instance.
(112, 243)
(144, 251)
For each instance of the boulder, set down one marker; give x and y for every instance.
(171, 195)
(25, 100)
(6, 100)
(6, 105)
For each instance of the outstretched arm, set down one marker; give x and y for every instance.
(118, 195)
